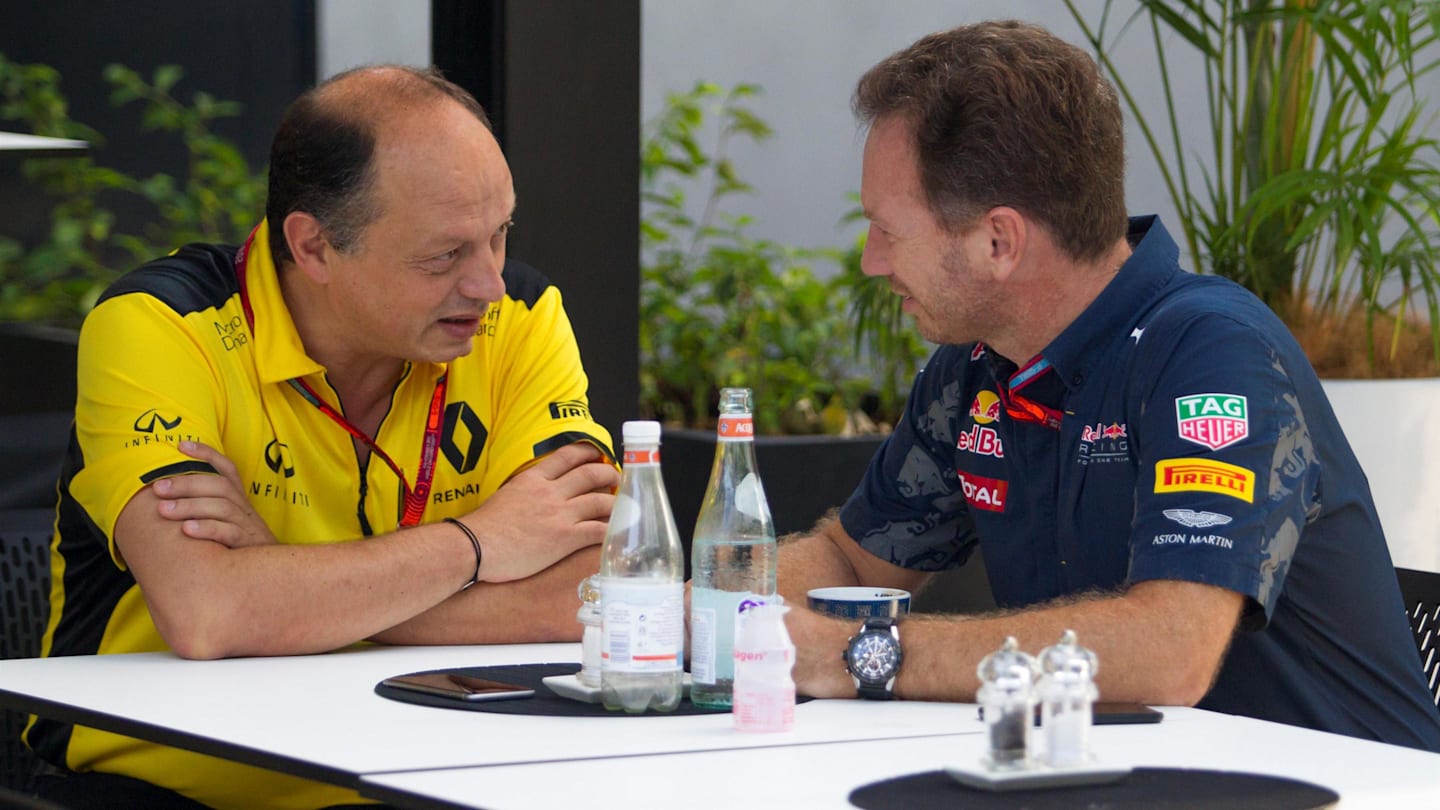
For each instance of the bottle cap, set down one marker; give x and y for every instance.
(641, 432)
(764, 628)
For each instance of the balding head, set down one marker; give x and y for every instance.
(322, 160)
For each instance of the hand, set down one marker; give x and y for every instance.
(212, 507)
(545, 513)
(819, 644)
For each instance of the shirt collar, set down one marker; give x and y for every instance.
(1153, 262)
(279, 354)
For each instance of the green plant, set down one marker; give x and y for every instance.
(722, 308)
(1320, 189)
(85, 249)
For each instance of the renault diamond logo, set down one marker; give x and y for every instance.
(464, 436)
(277, 458)
(148, 420)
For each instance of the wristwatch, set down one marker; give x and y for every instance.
(873, 656)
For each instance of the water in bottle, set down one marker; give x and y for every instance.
(732, 556)
(642, 596)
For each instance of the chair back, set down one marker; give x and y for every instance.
(1421, 591)
(24, 611)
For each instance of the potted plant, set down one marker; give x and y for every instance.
(1319, 192)
(722, 308)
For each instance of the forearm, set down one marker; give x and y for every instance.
(538, 608)
(1159, 643)
(210, 601)
(811, 561)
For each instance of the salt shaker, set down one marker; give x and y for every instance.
(590, 616)
(1007, 698)
(1067, 695)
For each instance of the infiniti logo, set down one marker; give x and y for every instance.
(277, 458)
(148, 420)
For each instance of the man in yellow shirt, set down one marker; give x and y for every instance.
(383, 410)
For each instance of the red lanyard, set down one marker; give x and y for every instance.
(1024, 409)
(416, 498)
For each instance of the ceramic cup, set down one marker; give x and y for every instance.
(860, 602)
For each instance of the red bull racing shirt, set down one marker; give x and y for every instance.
(1174, 430)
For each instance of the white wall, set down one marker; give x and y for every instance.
(807, 55)
(350, 33)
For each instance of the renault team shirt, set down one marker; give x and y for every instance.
(168, 354)
(1173, 431)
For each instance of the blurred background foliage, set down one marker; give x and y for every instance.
(219, 198)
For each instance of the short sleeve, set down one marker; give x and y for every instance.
(909, 509)
(1227, 471)
(144, 386)
(541, 392)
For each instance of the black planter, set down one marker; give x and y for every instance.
(805, 477)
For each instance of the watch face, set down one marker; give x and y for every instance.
(874, 657)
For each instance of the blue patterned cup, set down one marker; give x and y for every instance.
(860, 602)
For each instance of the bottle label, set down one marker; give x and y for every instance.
(768, 708)
(643, 627)
(735, 428)
(641, 457)
(716, 618)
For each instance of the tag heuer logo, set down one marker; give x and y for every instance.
(1212, 420)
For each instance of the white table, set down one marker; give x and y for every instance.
(318, 717)
(1365, 774)
(333, 727)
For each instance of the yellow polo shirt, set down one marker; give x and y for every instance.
(169, 354)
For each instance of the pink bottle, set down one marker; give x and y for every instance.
(764, 693)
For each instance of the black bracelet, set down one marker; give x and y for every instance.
(474, 541)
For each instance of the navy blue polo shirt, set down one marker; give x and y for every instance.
(1174, 430)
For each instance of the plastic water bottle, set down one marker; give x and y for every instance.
(1067, 694)
(764, 696)
(641, 581)
(733, 554)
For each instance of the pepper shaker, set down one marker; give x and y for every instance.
(1007, 698)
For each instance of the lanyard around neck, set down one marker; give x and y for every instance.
(415, 498)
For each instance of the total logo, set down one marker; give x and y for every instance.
(983, 493)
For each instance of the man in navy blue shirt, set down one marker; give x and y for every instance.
(1143, 455)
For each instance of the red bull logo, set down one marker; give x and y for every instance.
(1114, 430)
(982, 441)
(986, 407)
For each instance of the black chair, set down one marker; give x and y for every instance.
(25, 599)
(1421, 590)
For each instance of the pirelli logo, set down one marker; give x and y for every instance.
(1204, 475)
(569, 409)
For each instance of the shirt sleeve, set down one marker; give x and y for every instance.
(909, 509)
(145, 384)
(541, 397)
(1227, 472)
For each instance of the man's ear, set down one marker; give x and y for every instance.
(1009, 236)
(308, 245)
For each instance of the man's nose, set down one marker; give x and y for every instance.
(482, 280)
(873, 261)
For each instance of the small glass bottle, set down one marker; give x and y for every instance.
(590, 642)
(764, 694)
(733, 553)
(642, 590)
(1067, 696)
(1007, 698)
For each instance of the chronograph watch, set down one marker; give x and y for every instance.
(873, 656)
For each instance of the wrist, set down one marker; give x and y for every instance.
(475, 546)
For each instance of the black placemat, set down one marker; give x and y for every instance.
(545, 702)
(1143, 788)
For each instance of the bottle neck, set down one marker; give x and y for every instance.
(641, 455)
(735, 427)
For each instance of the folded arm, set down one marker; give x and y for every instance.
(217, 584)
